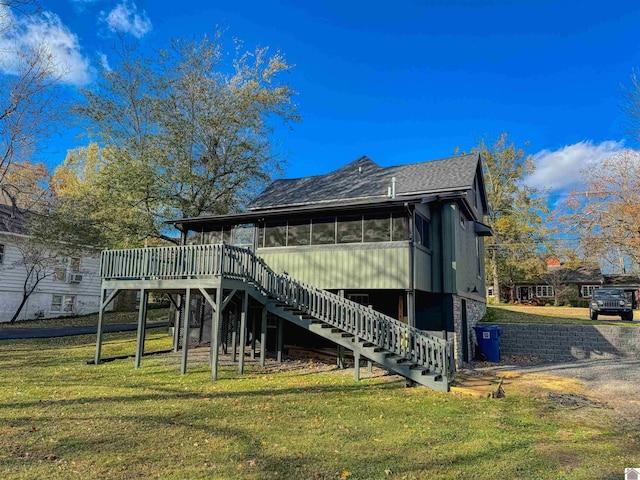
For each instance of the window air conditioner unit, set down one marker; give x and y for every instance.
(75, 278)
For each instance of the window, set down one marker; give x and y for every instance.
(544, 291)
(60, 274)
(376, 228)
(323, 231)
(350, 230)
(400, 227)
(62, 303)
(275, 235)
(243, 235)
(74, 265)
(422, 231)
(490, 292)
(299, 233)
(587, 290)
(1, 253)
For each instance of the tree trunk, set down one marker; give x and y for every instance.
(25, 297)
(494, 274)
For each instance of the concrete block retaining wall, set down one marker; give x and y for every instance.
(570, 342)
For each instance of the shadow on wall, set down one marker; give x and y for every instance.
(570, 342)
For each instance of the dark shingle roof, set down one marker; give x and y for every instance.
(11, 220)
(582, 274)
(364, 178)
(622, 280)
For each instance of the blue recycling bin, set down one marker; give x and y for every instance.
(489, 341)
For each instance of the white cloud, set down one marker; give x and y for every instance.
(559, 170)
(124, 18)
(104, 62)
(27, 34)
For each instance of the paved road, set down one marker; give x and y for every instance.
(20, 333)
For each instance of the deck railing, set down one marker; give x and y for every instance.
(202, 261)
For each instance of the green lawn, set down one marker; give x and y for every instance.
(551, 315)
(111, 318)
(63, 418)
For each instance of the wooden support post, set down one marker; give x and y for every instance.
(243, 330)
(215, 333)
(104, 302)
(176, 323)
(340, 357)
(280, 339)
(100, 325)
(185, 331)
(370, 366)
(253, 336)
(142, 326)
(225, 333)
(263, 337)
(356, 366)
(234, 338)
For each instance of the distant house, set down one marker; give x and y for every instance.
(71, 285)
(404, 242)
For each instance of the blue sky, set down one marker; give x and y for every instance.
(403, 81)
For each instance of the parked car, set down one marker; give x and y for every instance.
(610, 301)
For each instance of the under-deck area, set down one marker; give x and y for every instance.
(241, 293)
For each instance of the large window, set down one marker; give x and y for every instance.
(350, 230)
(383, 227)
(299, 233)
(587, 290)
(62, 303)
(376, 228)
(544, 291)
(323, 231)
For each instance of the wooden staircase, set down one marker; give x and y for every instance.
(407, 351)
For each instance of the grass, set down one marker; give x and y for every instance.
(111, 318)
(550, 315)
(64, 419)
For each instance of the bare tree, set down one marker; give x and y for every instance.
(28, 100)
(606, 218)
(38, 261)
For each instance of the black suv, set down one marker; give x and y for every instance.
(610, 301)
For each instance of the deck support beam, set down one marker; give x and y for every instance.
(234, 338)
(340, 357)
(263, 336)
(253, 336)
(356, 365)
(243, 330)
(216, 318)
(142, 326)
(185, 331)
(104, 302)
(176, 322)
(280, 339)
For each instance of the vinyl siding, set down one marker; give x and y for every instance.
(376, 265)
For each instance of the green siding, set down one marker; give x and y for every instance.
(423, 269)
(344, 266)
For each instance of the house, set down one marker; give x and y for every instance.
(68, 286)
(396, 249)
(565, 284)
(629, 283)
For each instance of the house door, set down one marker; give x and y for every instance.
(523, 293)
(465, 331)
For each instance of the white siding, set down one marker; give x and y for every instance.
(12, 277)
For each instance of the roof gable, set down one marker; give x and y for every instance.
(363, 178)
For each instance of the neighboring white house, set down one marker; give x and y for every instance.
(71, 286)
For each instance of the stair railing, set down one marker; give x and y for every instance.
(366, 324)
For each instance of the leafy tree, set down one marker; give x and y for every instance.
(606, 220)
(516, 215)
(178, 133)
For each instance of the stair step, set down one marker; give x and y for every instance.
(377, 349)
(326, 325)
(423, 370)
(307, 317)
(347, 335)
(402, 360)
(335, 330)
